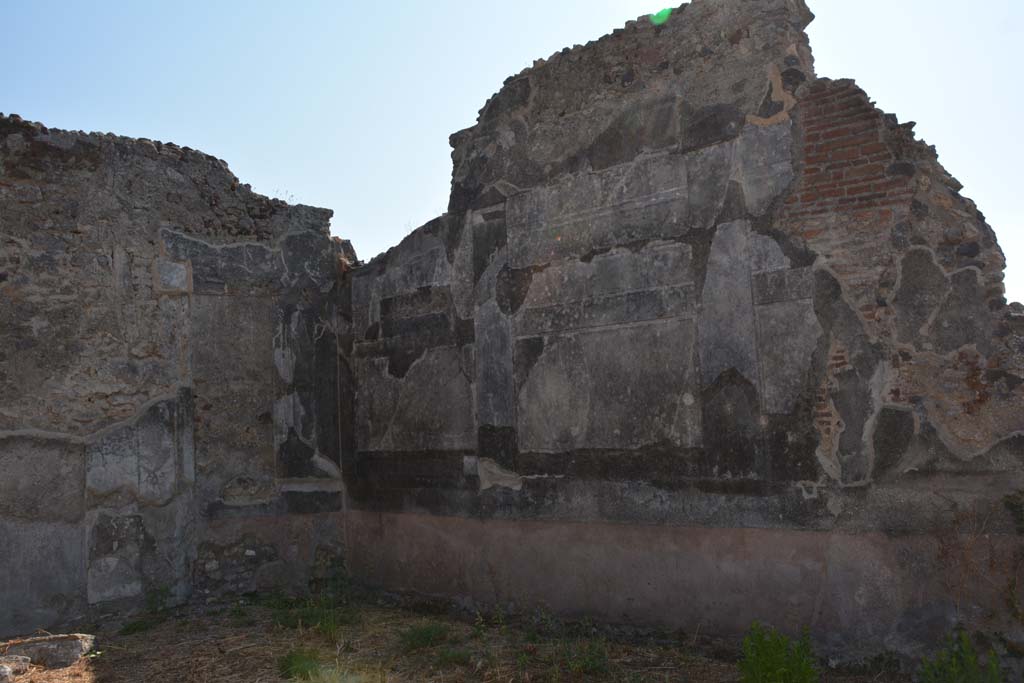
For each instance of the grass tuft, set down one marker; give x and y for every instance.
(142, 624)
(321, 614)
(960, 663)
(771, 657)
(423, 636)
(587, 657)
(300, 664)
(451, 657)
(335, 675)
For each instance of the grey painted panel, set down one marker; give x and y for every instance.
(43, 574)
(764, 166)
(618, 309)
(617, 287)
(495, 391)
(643, 200)
(788, 333)
(621, 387)
(659, 264)
(783, 285)
(727, 327)
(41, 479)
(234, 339)
(708, 174)
(429, 268)
(431, 408)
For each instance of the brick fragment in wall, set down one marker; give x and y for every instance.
(851, 191)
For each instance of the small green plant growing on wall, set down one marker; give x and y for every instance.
(960, 663)
(771, 657)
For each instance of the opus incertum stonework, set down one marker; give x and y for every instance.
(703, 338)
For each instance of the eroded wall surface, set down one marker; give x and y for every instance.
(168, 406)
(703, 338)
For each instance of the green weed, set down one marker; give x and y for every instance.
(771, 657)
(451, 657)
(335, 675)
(959, 663)
(320, 614)
(301, 664)
(587, 657)
(144, 623)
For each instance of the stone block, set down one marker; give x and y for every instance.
(16, 664)
(53, 652)
(923, 287)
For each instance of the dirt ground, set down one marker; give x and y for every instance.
(271, 639)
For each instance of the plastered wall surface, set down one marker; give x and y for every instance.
(702, 338)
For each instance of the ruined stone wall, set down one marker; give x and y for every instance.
(167, 362)
(702, 339)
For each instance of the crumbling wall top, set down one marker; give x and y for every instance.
(180, 182)
(686, 82)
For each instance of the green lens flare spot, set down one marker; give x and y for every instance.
(661, 17)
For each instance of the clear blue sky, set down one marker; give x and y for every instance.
(349, 105)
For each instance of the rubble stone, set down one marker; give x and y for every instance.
(16, 663)
(53, 652)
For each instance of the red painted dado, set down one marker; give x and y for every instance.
(831, 582)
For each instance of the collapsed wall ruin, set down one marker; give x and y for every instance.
(168, 364)
(702, 339)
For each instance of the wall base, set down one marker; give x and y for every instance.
(860, 595)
